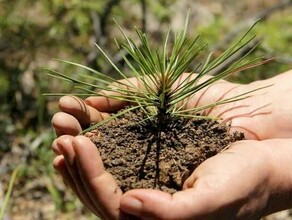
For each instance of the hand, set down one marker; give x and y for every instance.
(212, 190)
(244, 182)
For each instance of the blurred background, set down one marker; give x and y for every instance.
(32, 33)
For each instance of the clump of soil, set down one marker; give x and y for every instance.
(131, 151)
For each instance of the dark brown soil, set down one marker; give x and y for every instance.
(129, 149)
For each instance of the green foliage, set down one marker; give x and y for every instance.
(7, 197)
(3, 85)
(157, 71)
(214, 32)
(277, 33)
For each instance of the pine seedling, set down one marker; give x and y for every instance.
(157, 71)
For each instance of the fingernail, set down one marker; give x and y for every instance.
(131, 205)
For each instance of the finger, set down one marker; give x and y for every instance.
(65, 124)
(60, 166)
(212, 94)
(72, 174)
(84, 113)
(99, 184)
(154, 204)
(56, 147)
(105, 104)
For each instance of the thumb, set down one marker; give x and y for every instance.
(154, 204)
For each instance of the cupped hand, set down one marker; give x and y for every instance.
(244, 182)
(236, 183)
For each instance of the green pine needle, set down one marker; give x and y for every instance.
(157, 70)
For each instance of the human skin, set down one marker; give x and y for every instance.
(247, 181)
